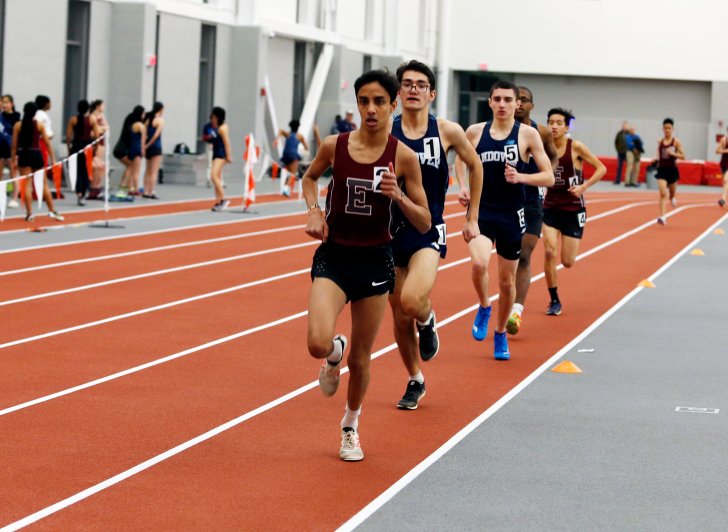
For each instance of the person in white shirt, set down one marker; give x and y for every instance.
(43, 103)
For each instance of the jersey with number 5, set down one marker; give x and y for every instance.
(494, 155)
(558, 196)
(357, 212)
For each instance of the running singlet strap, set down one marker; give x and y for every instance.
(531, 193)
(433, 163)
(558, 196)
(494, 155)
(357, 213)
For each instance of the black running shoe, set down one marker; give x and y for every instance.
(429, 342)
(410, 400)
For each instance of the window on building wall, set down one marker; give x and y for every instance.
(2, 39)
(299, 79)
(206, 93)
(77, 36)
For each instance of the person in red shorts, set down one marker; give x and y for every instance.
(354, 262)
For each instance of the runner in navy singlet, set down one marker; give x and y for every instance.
(564, 210)
(722, 150)
(371, 170)
(417, 255)
(669, 150)
(533, 209)
(502, 146)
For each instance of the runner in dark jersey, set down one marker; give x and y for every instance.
(564, 208)
(354, 262)
(532, 208)
(722, 150)
(417, 255)
(290, 156)
(502, 146)
(669, 150)
(28, 134)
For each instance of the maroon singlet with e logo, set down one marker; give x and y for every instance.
(358, 215)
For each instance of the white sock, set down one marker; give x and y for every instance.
(419, 377)
(429, 318)
(336, 355)
(518, 308)
(351, 418)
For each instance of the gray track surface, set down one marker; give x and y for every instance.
(603, 450)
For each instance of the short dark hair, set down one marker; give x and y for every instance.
(668, 121)
(41, 101)
(568, 115)
(219, 113)
(388, 82)
(522, 88)
(294, 125)
(417, 66)
(503, 84)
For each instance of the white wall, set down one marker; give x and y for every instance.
(600, 105)
(665, 39)
(178, 79)
(99, 54)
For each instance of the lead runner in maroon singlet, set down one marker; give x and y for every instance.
(354, 262)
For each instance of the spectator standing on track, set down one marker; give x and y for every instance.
(354, 262)
(217, 135)
(635, 149)
(99, 163)
(128, 150)
(669, 150)
(154, 123)
(620, 144)
(564, 206)
(80, 132)
(8, 118)
(722, 150)
(27, 137)
(504, 146)
(43, 103)
(416, 255)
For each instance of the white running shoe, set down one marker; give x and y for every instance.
(350, 447)
(13, 204)
(329, 373)
(673, 202)
(56, 216)
(661, 221)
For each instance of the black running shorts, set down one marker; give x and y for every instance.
(569, 223)
(505, 229)
(359, 271)
(669, 174)
(533, 212)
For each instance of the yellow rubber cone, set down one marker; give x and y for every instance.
(697, 252)
(719, 231)
(646, 284)
(567, 366)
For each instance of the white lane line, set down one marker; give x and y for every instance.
(398, 486)
(157, 272)
(147, 310)
(152, 250)
(395, 488)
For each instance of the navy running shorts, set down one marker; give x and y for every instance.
(505, 229)
(533, 212)
(408, 241)
(359, 271)
(568, 223)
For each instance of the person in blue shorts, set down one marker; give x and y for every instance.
(291, 157)
(417, 255)
(504, 146)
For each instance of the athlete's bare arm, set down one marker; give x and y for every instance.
(316, 226)
(547, 138)
(413, 204)
(531, 140)
(473, 134)
(454, 137)
(722, 146)
(679, 153)
(582, 152)
(302, 140)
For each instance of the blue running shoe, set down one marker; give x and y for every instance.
(501, 346)
(480, 325)
(554, 309)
